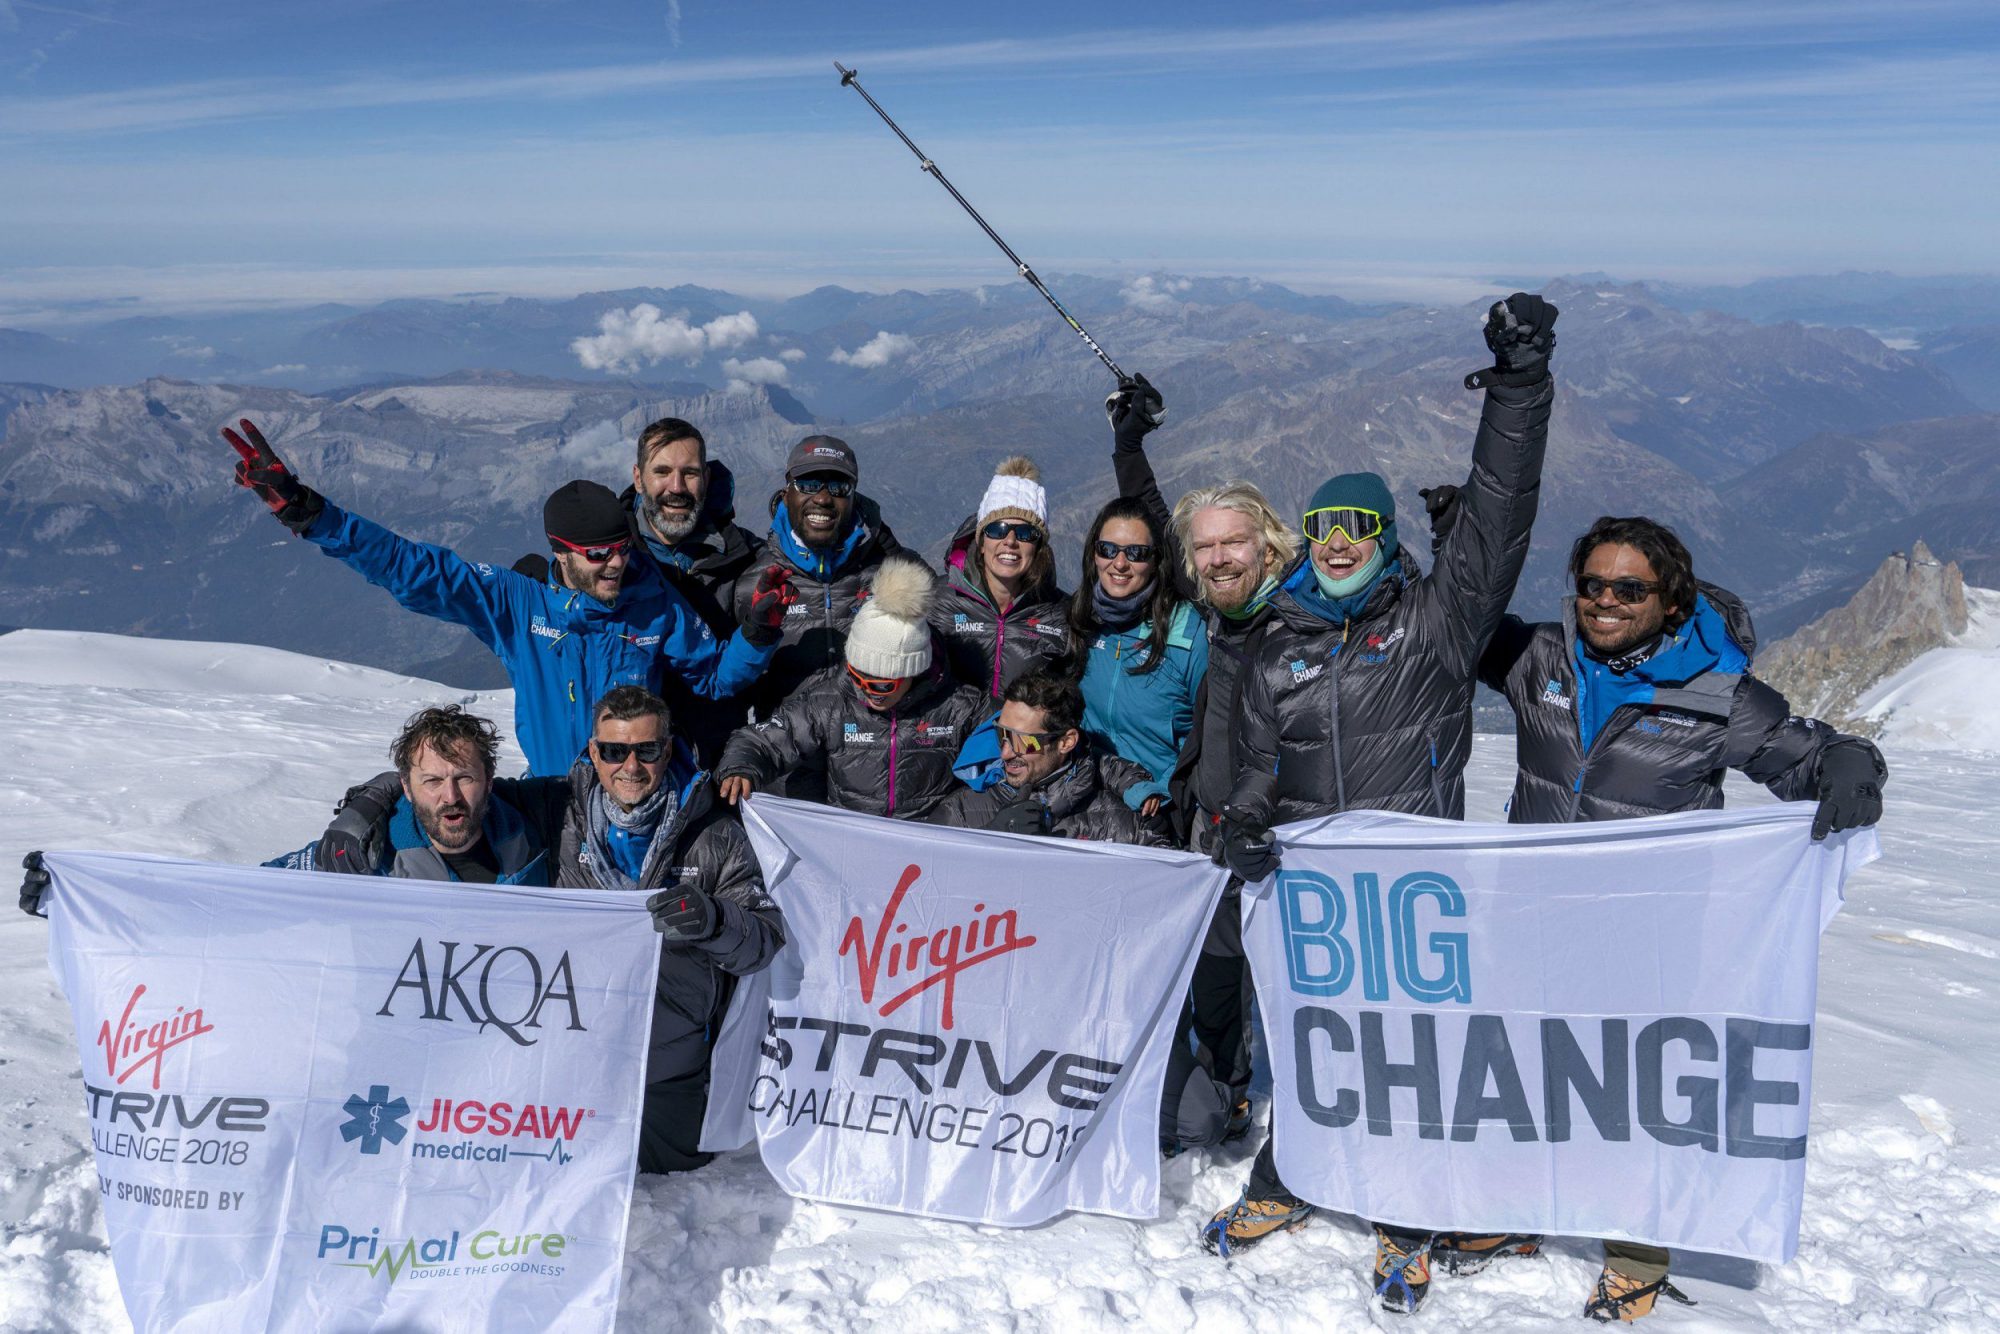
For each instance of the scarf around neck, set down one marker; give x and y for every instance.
(1118, 615)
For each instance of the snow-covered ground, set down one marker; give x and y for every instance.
(232, 754)
(1948, 696)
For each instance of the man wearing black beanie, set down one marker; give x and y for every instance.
(608, 623)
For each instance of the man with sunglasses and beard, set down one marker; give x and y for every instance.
(1358, 693)
(592, 624)
(880, 733)
(1635, 703)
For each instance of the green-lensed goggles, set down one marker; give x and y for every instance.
(1356, 525)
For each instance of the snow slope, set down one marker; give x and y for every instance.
(1948, 696)
(233, 754)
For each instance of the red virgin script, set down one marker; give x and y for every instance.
(896, 955)
(130, 1048)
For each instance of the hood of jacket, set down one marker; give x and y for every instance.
(1302, 606)
(961, 581)
(866, 538)
(1719, 635)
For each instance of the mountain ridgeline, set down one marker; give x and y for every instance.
(1790, 456)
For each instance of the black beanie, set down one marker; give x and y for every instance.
(585, 514)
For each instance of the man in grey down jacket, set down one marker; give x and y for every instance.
(1359, 692)
(1634, 704)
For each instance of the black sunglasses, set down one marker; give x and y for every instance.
(1020, 532)
(1136, 552)
(614, 752)
(1631, 592)
(837, 487)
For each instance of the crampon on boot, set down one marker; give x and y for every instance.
(1465, 1253)
(1239, 1121)
(1621, 1297)
(1402, 1277)
(1247, 1222)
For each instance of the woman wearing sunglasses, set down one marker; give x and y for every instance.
(1001, 615)
(1142, 650)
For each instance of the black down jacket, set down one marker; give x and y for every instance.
(984, 647)
(709, 852)
(725, 560)
(1084, 799)
(896, 763)
(1667, 754)
(1374, 712)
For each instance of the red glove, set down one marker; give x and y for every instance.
(765, 620)
(262, 471)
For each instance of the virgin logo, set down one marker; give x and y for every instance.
(916, 961)
(130, 1048)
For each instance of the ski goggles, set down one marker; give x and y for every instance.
(1025, 743)
(1631, 592)
(874, 685)
(596, 554)
(1356, 525)
(999, 530)
(614, 752)
(1136, 552)
(837, 487)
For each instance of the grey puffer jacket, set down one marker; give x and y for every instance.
(709, 852)
(1084, 799)
(1374, 711)
(984, 646)
(896, 764)
(1666, 754)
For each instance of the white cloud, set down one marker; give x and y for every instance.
(626, 337)
(674, 22)
(792, 354)
(194, 353)
(757, 370)
(876, 353)
(1154, 295)
(284, 368)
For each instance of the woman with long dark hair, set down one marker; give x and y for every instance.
(1141, 649)
(1001, 615)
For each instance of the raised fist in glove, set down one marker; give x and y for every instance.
(34, 885)
(1850, 788)
(262, 471)
(764, 620)
(1441, 504)
(685, 915)
(1521, 333)
(1248, 849)
(1135, 408)
(357, 842)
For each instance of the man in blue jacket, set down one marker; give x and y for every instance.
(610, 622)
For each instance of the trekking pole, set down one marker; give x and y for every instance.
(850, 79)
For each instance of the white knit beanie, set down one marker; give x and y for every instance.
(891, 635)
(1015, 493)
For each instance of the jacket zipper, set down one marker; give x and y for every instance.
(1437, 792)
(999, 647)
(1333, 689)
(892, 767)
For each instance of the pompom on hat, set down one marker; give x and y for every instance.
(891, 635)
(1015, 493)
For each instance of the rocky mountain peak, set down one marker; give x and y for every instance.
(1912, 604)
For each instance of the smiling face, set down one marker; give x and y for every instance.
(1008, 561)
(449, 792)
(820, 518)
(1121, 576)
(631, 780)
(1027, 768)
(1338, 558)
(1230, 558)
(672, 486)
(600, 580)
(1608, 625)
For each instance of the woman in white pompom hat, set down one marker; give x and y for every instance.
(1001, 615)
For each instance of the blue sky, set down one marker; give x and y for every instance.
(202, 152)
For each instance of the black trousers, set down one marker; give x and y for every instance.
(670, 1125)
(1208, 1068)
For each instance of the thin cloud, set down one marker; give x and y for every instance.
(876, 353)
(743, 375)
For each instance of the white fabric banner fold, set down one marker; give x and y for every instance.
(1598, 1030)
(967, 1025)
(339, 1102)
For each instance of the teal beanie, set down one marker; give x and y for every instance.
(1364, 491)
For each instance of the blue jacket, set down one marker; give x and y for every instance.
(520, 849)
(1702, 644)
(563, 650)
(1145, 716)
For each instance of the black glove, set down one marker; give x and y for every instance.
(357, 842)
(1026, 816)
(1521, 332)
(1248, 849)
(262, 471)
(34, 885)
(1441, 504)
(1135, 408)
(685, 915)
(534, 565)
(1850, 788)
(764, 618)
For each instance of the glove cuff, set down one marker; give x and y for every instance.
(762, 635)
(302, 511)
(1493, 377)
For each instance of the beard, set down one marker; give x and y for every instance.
(671, 523)
(1229, 599)
(441, 835)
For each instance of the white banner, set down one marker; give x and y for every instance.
(1599, 1030)
(331, 1102)
(967, 1025)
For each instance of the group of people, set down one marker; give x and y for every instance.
(1219, 670)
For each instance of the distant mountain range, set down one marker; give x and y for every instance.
(1793, 456)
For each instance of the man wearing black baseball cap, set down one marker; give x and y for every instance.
(564, 645)
(830, 540)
